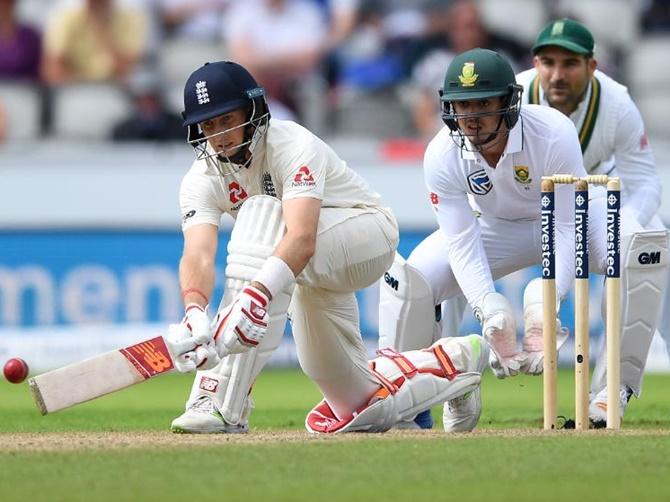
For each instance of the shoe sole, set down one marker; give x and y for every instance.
(225, 430)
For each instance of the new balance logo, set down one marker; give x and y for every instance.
(201, 92)
(209, 384)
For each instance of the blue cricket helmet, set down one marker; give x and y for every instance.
(217, 88)
(221, 87)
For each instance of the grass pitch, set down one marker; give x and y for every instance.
(118, 448)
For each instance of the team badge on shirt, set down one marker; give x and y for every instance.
(479, 182)
(468, 77)
(522, 175)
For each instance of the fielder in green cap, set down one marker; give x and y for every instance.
(613, 142)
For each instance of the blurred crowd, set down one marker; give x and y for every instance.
(322, 62)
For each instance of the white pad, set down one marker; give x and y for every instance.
(643, 279)
(406, 309)
(412, 382)
(258, 229)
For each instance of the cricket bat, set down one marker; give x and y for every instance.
(100, 375)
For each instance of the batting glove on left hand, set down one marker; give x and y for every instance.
(242, 324)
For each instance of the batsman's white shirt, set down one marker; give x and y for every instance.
(291, 162)
(613, 140)
(355, 245)
(506, 198)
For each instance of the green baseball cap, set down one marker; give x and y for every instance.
(567, 33)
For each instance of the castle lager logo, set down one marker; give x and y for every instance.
(468, 77)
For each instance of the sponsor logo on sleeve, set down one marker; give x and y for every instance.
(479, 182)
(303, 178)
(189, 214)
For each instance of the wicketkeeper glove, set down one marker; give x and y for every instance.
(499, 330)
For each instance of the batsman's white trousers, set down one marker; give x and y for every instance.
(354, 247)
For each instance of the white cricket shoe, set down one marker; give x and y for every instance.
(203, 417)
(598, 406)
(461, 414)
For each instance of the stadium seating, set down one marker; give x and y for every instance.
(612, 22)
(22, 105)
(649, 79)
(519, 19)
(88, 111)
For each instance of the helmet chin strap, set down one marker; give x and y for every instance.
(495, 134)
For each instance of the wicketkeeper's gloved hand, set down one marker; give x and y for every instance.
(190, 342)
(533, 340)
(242, 324)
(499, 330)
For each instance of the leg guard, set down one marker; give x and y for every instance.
(410, 382)
(258, 230)
(645, 270)
(406, 309)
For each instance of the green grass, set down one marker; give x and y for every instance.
(592, 466)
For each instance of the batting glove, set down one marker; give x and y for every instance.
(242, 324)
(190, 343)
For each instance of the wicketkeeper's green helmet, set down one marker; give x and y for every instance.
(479, 74)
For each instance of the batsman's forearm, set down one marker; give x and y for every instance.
(196, 273)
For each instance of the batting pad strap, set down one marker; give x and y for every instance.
(390, 386)
(275, 275)
(404, 364)
(443, 359)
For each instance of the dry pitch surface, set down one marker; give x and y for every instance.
(69, 441)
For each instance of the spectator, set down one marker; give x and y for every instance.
(150, 119)
(95, 41)
(374, 55)
(656, 17)
(452, 29)
(3, 124)
(281, 42)
(193, 19)
(20, 46)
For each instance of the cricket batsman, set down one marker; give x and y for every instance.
(308, 233)
(483, 172)
(613, 142)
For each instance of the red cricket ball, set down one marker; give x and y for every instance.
(15, 370)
